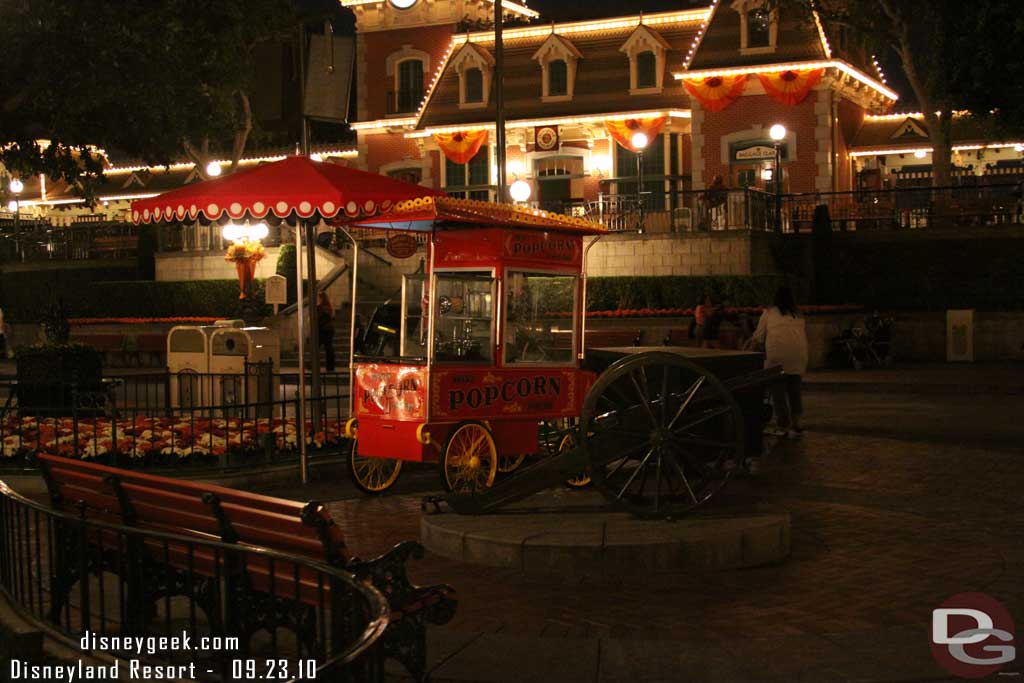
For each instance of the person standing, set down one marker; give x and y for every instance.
(708, 318)
(782, 332)
(325, 327)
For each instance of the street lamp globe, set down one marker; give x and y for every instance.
(767, 174)
(520, 191)
(777, 132)
(639, 141)
(12, 206)
(233, 232)
(258, 231)
(213, 169)
(16, 186)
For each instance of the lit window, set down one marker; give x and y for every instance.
(558, 78)
(646, 70)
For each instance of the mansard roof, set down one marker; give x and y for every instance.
(602, 78)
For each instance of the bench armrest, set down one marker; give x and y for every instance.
(388, 574)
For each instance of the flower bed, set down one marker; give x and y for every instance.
(144, 437)
(139, 321)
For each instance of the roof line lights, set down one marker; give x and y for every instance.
(114, 170)
(516, 7)
(79, 200)
(824, 38)
(617, 23)
(565, 120)
(792, 66)
(699, 38)
(928, 150)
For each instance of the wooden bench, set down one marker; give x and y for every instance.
(258, 588)
(115, 246)
(613, 338)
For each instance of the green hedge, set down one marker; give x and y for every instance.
(286, 266)
(26, 296)
(933, 275)
(618, 293)
(128, 299)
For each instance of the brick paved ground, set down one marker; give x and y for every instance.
(899, 500)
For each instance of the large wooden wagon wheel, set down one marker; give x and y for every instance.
(469, 459)
(661, 434)
(370, 475)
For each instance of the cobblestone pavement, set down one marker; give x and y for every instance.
(884, 530)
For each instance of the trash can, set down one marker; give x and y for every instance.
(232, 352)
(960, 335)
(188, 364)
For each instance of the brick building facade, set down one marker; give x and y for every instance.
(420, 75)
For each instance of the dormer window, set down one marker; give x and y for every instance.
(474, 86)
(646, 70)
(475, 67)
(558, 78)
(557, 58)
(759, 26)
(646, 50)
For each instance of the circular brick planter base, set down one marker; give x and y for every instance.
(575, 533)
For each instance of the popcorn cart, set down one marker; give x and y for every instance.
(488, 369)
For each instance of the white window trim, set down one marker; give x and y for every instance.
(643, 39)
(469, 58)
(555, 48)
(394, 61)
(743, 7)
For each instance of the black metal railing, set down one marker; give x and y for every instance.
(81, 577)
(34, 241)
(674, 211)
(964, 206)
(170, 419)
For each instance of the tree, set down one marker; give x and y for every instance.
(153, 79)
(955, 55)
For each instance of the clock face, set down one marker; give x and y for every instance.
(402, 4)
(547, 138)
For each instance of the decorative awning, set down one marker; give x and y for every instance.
(461, 146)
(295, 187)
(423, 214)
(715, 93)
(623, 130)
(790, 87)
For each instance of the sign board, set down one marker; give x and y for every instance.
(402, 245)
(276, 289)
(755, 150)
(397, 392)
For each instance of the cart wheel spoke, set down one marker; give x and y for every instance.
(696, 427)
(372, 475)
(469, 461)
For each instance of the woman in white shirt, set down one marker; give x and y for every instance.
(782, 332)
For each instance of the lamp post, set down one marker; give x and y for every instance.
(16, 187)
(778, 134)
(640, 142)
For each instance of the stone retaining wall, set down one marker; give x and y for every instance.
(682, 253)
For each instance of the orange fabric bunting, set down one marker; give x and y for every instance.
(623, 130)
(790, 87)
(717, 92)
(462, 146)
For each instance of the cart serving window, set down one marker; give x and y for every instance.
(540, 317)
